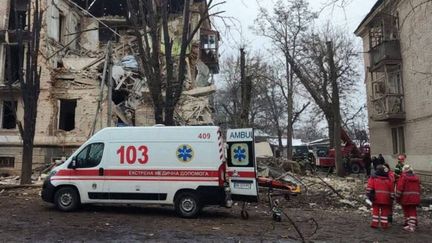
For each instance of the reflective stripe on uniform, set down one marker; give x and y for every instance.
(381, 191)
(410, 193)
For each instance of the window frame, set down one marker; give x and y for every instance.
(398, 139)
(88, 149)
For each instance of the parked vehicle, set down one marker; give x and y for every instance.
(180, 166)
(350, 152)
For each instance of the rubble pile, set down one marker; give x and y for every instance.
(9, 180)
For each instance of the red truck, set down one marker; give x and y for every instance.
(349, 150)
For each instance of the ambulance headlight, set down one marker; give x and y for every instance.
(52, 173)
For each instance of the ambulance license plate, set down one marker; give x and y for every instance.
(242, 185)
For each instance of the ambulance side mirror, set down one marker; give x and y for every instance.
(73, 164)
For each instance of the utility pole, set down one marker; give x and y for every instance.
(110, 84)
(246, 91)
(340, 170)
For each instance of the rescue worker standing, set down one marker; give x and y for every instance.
(380, 192)
(408, 195)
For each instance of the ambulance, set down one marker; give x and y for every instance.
(185, 167)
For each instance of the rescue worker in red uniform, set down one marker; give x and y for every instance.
(408, 195)
(380, 192)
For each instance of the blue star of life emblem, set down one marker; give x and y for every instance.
(239, 153)
(185, 153)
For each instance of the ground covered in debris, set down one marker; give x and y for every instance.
(319, 213)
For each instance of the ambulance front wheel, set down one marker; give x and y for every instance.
(66, 199)
(187, 205)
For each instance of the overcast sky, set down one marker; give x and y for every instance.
(245, 11)
(238, 33)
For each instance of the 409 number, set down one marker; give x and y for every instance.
(204, 136)
(132, 154)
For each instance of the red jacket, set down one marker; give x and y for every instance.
(380, 190)
(391, 176)
(408, 189)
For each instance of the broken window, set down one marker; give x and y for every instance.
(106, 35)
(67, 115)
(18, 14)
(61, 26)
(12, 63)
(7, 162)
(176, 6)
(8, 120)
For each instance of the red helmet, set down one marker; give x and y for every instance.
(401, 157)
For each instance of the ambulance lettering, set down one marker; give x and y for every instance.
(240, 135)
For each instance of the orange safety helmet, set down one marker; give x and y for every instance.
(401, 157)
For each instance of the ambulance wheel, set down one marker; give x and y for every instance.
(66, 199)
(244, 214)
(187, 205)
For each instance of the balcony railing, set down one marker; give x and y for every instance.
(389, 107)
(388, 52)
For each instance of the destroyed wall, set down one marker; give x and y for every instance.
(68, 95)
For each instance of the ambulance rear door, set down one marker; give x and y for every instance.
(241, 165)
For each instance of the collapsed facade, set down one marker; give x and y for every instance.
(74, 101)
(398, 59)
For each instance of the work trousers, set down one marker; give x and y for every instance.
(380, 214)
(410, 215)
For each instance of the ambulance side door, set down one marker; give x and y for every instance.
(241, 165)
(87, 172)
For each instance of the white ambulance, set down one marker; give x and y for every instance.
(180, 166)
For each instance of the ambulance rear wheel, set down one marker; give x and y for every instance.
(66, 199)
(187, 205)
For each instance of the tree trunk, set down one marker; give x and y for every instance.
(290, 107)
(280, 147)
(30, 107)
(330, 123)
(340, 170)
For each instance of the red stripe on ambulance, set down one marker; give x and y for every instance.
(156, 173)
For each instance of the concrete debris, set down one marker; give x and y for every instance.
(348, 202)
(194, 111)
(10, 180)
(201, 91)
(77, 64)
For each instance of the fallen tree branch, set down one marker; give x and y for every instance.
(295, 227)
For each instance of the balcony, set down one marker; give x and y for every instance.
(389, 107)
(209, 45)
(386, 53)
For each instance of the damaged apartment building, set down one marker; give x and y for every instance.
(74, 101)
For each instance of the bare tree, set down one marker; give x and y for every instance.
(328, 71)
(285, 26)
(164, 72)
(29, 81)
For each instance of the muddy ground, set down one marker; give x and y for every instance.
(26, 218)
